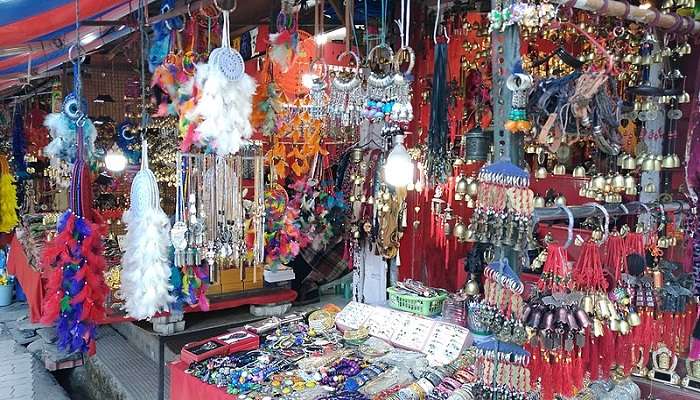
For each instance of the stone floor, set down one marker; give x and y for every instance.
(23, 345)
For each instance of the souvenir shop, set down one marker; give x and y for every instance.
(503, 192)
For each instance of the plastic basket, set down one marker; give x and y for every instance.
(415, 304)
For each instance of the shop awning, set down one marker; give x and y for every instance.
(35, 36)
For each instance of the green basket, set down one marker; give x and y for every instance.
(426, 306)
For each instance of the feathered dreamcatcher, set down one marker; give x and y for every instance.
(283, 238)
(322, 210)
(225, 101)
(63, 127)
(74, 260)
(145, 263)
(302, 141)
(8, 197)
(284, 43)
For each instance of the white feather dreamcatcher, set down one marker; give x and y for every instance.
(62, 127)
(226, 101)
(145, 264)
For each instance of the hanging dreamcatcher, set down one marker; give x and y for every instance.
(74, 259)
(224, 87)
(284, 43)
(63, 127)
(145, 264)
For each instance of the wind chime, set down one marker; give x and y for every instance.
(76, 291)
(504, 206)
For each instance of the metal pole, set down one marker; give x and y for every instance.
(585, 211)
(161, 368)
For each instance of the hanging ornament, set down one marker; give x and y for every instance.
(519, 83)
(346, 95)
(145, 263)
(437, 163)
(8, 197)
(284, 44)
(225, 87)
(63, 128)
(19, 144)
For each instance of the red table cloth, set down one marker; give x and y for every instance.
(29, 279)
(186, 387)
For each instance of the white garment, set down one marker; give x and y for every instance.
(375, 273)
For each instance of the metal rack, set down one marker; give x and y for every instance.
(614, 210)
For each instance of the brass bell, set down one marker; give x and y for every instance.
(541, 173)
(630, 182)
(582, 191)
(613, 310)
(538, 202)
(472, 287)
(579, 172)
(615, 325)
(684, 98)
(631, 191)
(618, 182)
(650, 188)
(656, 57)
(634, 319)
(473, 188)
(356, 155)
(560, 200)
(458, 162)
(637, 60)
(676, 161)
(648, 164)
(627, 58)
(587, 304)
(640, 159)
(598, 328)
(657, 162)
(460, 229)
(621, 158)
(645, 60)
(662, 242)
(624, 327)
(599, 196)
(591, 193)
(559, 169)
(629, 163)
(461, 186)
(667, 162)
(602, 305)
(598, 182)
(470, 202)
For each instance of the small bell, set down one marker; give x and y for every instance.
(650, 188)
(676, 160)
(662, 242)
(618, 182)
(560, 200)
(541, 173)
(356, 155)
(667, 162)
(598, 182)
(538, 202)
(579, 172)
(615, 325)
(630, 182)
(648, 164)
(684, 98)
(602, 308)
(559, 169)
(460, 230)
(656, 57)
(473, 188)
(598, 328)
(629, 163)
(472, 287)
(587, 304)
(634, 319)
(657, 162)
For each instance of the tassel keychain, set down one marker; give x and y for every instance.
(615, 255)
(588, 274)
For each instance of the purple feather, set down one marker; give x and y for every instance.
(61, 223)
(82, 227)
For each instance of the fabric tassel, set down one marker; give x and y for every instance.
(615, 256)
(437, 134)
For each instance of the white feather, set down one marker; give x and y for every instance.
(145, 277)
(225, 108)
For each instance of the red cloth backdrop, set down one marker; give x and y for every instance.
(29, 279)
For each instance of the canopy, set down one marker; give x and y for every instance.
(36, 36)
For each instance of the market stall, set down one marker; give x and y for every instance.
(508, 189)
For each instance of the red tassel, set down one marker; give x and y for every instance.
(594, 366)
(615, 258)
(547, 384)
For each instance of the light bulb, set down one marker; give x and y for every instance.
(115, 160)
(398, 170)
